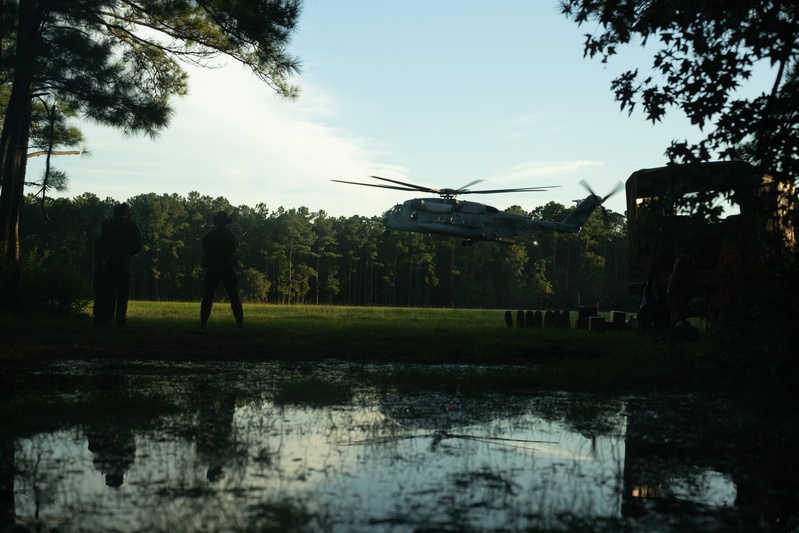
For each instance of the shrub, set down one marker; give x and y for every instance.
(53, 286)
(253, 286)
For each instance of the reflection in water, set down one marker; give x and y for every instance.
(235, 454)
(7, 459)
(214, 443)
(113, 451)
(111, 440)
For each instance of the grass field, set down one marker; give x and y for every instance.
(411, 349)
(558, 358)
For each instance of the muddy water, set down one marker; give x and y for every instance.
(271, 447)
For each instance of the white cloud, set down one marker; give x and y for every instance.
(233, 137)
(547, 169)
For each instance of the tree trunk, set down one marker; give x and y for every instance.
(16, 132)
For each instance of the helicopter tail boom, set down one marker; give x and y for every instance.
(576, 219)
(581, 213)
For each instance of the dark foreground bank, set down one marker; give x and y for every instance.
(562, 359)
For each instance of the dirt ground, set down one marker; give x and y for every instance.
(131, 344)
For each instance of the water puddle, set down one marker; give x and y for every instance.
(270, 447)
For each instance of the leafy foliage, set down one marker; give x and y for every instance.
(118, 63)
(297, 256)
(54, 286)
(706, 52)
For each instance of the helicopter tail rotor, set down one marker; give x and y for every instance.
(601, 199)
(613, 192)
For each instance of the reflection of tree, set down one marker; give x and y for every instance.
(667, 447)
(7, 504)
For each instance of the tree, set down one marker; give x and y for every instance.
(163, 221)
(705, 52)
(253, 285)
(49, 130)
(325, 241)
(50, 134)
(358, 254)
(708, 50)
(290, 256)
(295, 242)
(116, 62)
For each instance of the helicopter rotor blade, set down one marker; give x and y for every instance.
(602, 199)
(518, 189)
(376, 185)
(444, 192)
(465, 188)
(588, 187)
(412, 186)
(615, 190)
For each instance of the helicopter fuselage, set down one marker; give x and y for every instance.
(471, 221)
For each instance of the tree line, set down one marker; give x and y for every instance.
(296, 256)
(118, 63)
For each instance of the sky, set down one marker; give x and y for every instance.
(438, 93)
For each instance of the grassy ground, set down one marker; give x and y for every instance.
(489, 355)
(550, 358)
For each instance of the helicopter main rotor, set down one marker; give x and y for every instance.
(444, 192)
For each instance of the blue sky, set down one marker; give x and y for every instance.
(439, 93)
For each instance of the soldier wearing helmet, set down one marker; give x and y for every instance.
(219, 262)
(120, 240)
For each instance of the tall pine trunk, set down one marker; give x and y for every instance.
(15, 134)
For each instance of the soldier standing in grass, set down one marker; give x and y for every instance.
(120, 240)
(681, 285)
(219, 262)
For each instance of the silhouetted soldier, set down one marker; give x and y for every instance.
(681, 285)
(98, 283)
(120, 240)
(219, 261)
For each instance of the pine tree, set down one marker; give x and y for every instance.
(117, 62)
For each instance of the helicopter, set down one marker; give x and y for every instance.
(473, 221)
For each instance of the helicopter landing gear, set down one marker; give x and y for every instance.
(467, 242)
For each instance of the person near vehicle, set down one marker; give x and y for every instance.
(681, 285)
(120, 240)
(219, 262)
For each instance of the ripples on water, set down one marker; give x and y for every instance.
(322, 448)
